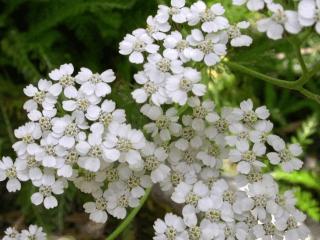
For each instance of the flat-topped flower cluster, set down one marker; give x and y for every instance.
(33, 232)
(196, 141)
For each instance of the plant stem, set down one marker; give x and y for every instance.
(7, 123)
(293, 85)
(129, 218)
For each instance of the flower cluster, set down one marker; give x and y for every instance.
(33, 232)
(281, 19)
(192, 145)
(77, 135)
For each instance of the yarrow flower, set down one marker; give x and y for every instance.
(33, 232)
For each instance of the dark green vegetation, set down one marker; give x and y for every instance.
(39, 35)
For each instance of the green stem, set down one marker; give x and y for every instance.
(296, 45)
(293, 85)
(253, 73)
(7, 124)
(129, 218)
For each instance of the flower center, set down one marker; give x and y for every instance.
(174, 11)
(250, 117)
(206, 46)
(214, 149)
(207, 16)
(150, 87)
(95, 151)
(11, 172)
(221, 125)
(176, 178)
(71, 130)
(229, 196)
(279, 17)
(213, 215)
(269, 228)
(188, 133)
(123, 145)
(151, 163)
(192, 199)
(194, 233)
(95, 78)
(27, 139)
(164, 65)
(139, 46)
(105, 118)
(251, 220)
(50, 150)
(89, 176)
(280, 200)
(189, 157)
(228, 232)
(123, 201)
(39, 97)
(83, 104)
(31, 161)
(171, 233)
(112, 175)
(101, 204)
(285, 155)
(45, 190)
(45, 123)
(133, 181)
(72, 157)
(254, 177)
(291, 223)
(234, 32)
(185, 84)
(182, 45)
(162, 122)
(200, 112)
(249, 156)
(260, 201)
(66, 80)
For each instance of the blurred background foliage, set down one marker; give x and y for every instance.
(39, 35)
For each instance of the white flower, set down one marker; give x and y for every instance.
(176, 42)
(172, 227)
(188, 194)
(34, 232)
(238, 132)
(43, 117)
(262, 131)
(14, 173)
(164, 124)
(159, 67)
(123, 143)
(92, 152)
(28, 133)
(286, 156)
(81, 104)
(40, 96)
(157, 29)
(95, 83)
(155, 162)
(119, 199)
(31, 164)
(215, 209)
(135, 44)
(47, 187)
(177, 11)
(237, 38)
(178, 86)
(309, 13)
(252, 5)
(97, 209)
(11, 234)
(246, 157)
(202, 110)
(211, 18)
(90, 182)
(248, 115)
(106, 114)
(279, 21)
(267, 230)
(208, 48)
(154, 90)
(64, 80)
